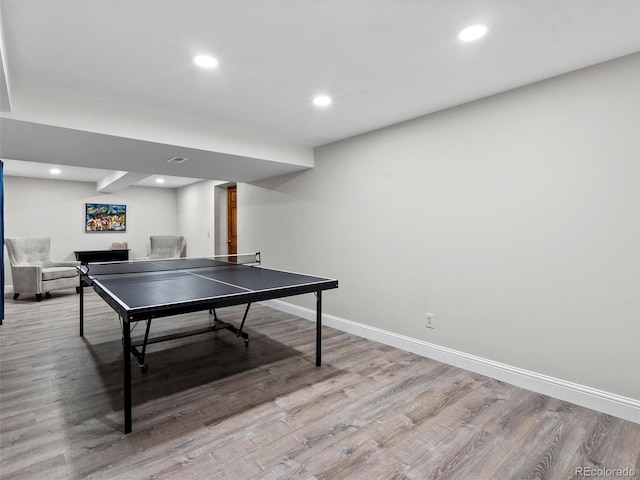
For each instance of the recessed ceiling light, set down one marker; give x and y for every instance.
(322, 101)
(55, 171)
(472, 33)
(159, 180)
(205, 61)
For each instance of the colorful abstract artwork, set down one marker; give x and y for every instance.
(101, 217)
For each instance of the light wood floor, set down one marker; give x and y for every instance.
(209, 408)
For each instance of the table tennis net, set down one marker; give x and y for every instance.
(172, 264)
(239, 258)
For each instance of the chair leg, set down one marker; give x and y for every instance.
(38, 297)
(15, 296)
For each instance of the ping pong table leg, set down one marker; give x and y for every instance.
(126, 350)
(318, 328)
(81, 306)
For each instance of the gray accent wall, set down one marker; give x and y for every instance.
(515, 220)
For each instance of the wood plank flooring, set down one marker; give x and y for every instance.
(211, 408)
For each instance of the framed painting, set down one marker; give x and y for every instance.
(105, 217)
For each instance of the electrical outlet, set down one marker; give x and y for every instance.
(430, 320)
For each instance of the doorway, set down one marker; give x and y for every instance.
(232, 221)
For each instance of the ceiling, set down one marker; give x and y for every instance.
(21, 168)
(381, 61)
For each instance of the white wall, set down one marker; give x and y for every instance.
(514, 219)
(196, 217)
(56, 209)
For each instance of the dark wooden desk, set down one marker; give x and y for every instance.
(93, 256)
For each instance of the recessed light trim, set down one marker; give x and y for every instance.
(322, 100)
(205, 61)
(159, 180)
(55, 171)
(473, 33)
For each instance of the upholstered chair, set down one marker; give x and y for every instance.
(166, 246)
(33, 270)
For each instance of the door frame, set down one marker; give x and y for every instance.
(232, 220)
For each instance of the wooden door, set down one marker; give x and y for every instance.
(232, 221)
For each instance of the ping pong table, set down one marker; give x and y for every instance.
(140, 291)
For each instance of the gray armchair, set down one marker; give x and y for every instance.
(33, 270)
(166, 246)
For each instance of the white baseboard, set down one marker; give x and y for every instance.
(609, 403)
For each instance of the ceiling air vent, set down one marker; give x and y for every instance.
(177, 160)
